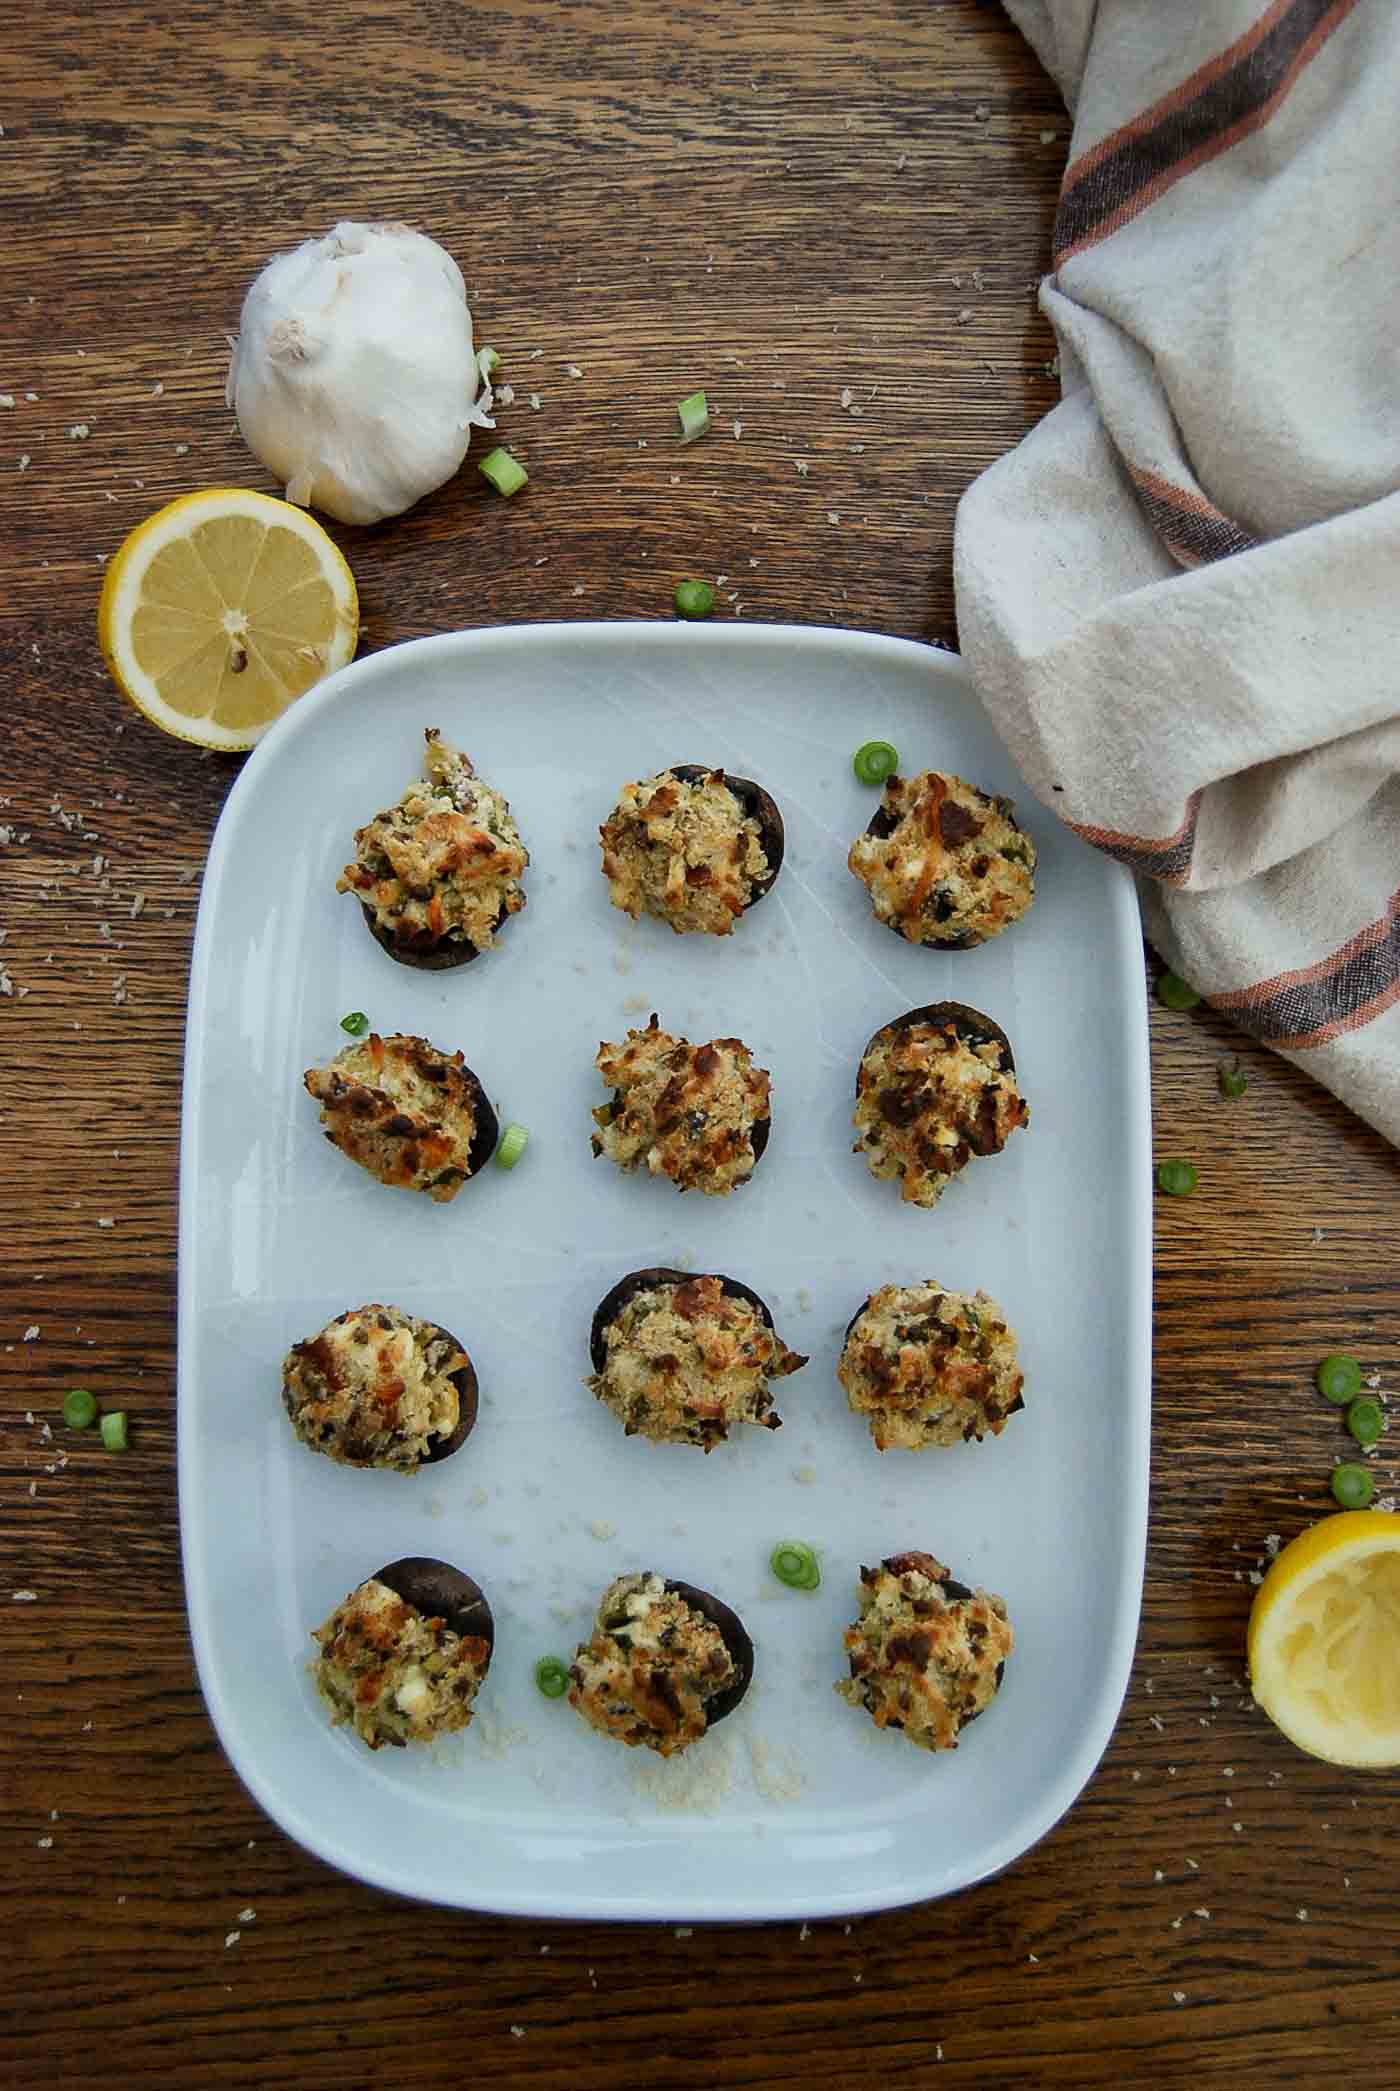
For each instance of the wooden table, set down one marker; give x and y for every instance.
(792, 207)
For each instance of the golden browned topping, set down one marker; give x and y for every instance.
(927, 1653)
(690, 853)
(650, 1668)
(947, 863)
(685, 1361)
(395, 1675)
(445, 862)
(927, 1100)
(929, 1367)
(683, 1111)
(402, 1110)
(374, 1388)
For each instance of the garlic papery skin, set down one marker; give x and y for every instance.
(353, 376)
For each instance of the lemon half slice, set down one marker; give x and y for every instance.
(1324, 1640)
(222, 608)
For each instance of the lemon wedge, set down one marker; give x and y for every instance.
(221, 609)
(1324, 1640)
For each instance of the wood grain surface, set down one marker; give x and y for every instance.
(782, 204)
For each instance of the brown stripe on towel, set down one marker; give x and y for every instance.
(1167, 857)
(1220, 103)
(1294, 1011)
(1191, 528)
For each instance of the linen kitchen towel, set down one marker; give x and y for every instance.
(1180, 595)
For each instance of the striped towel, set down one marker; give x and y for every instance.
(1180, 595)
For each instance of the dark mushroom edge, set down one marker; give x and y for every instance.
(760, 806)
(488, 1126)
(732, 1632)
(439, 1591)
(432, 955)
(468, 1403)
(614, 1300)
(971, 1025)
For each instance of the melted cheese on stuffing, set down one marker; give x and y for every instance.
(923, 1659)
(445, 862)
(954, 869)
(682, 1111)
(374, 1388)
(929, 1367)
(687, 1361)
(689, 853)
(927, 1101)
(394, 1675)
(402, 1110)
(650, 1667)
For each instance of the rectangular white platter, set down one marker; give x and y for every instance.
(796, 1805)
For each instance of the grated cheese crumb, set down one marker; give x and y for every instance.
(231, 1938)
(78, 430)
(31, 1334)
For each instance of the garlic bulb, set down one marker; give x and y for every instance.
(353, 376)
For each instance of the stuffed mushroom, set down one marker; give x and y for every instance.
(665, 1661)
(694, 846)
(944, 863)
(935, 1087)
(926, 1654)
(411, 1115)
(700, 1115)
(683, 1359)
(438, 873)
(926, 1366)
(402, 1658)
(379, 1388)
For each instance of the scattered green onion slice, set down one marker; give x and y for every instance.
(114, 1430)
(1366, 1420)
(357, 1023)
(795, 1563)
(1176, 993)
(1178, 1179)
(79, 1408)
(506, 473)
(552, 1676)
(694, 412)
(514, 1141)
(1352, 1486)
(488, 363)
(1232, 1078)
(694, 599)
(875, 761)
(1339, 1378)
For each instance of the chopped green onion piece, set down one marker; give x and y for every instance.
(1177, 1179)
(1176, 993)
(79, 1408)
(1232, 1078)
(1339, 1378)
(357, 1023)
(1352, 1486)
(514, 1141)
(552, 1676)
(506, 473)
(1366, 1420)
(694, 414)
(875, 761)
(795, 1563)
(114, 1430)
(488, 363)
(694, 599)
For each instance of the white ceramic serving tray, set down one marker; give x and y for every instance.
(796, 1805)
